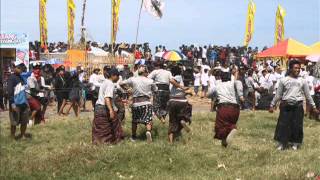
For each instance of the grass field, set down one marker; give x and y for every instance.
(62, 149)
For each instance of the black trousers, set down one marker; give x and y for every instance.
(290, 124)
(59, 101)
(1, 102)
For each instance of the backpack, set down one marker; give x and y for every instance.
(20, 96)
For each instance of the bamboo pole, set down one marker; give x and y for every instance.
(138, 26)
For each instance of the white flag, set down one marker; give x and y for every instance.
(154, 7)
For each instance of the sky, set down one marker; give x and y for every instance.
(198, 22)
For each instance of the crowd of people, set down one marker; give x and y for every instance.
(229, 76)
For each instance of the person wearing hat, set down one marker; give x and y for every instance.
(18, 107)
(142, 109)
(291, 91)
(106, 127)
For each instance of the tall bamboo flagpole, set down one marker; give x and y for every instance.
(137, 34)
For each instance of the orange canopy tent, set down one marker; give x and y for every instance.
(315, 48)
(288, 48)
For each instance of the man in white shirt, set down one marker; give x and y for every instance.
(95, 80)
(197, 80)
(106, 127)
(204, 54)
(265, 81)
(205, 82)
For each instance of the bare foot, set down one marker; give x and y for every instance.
(185, 126)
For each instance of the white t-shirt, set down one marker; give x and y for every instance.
(96, 80)
(310, 80)
(199, 62)
(106, 91)
(212, 82)
(142, 86)
(197, 77)
(203, 67)
(204, 53)
(161, 76)
(266, 82)
(272, 77)
(204, 79)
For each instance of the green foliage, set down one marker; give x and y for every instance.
(62, 149)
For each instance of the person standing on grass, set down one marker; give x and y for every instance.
(291, 91)
(95, 80)
(229, 94)
(180, 111)
(2, 108)
(316, 97)
(106, 127)
(252, 86)
(214, 78)
(18, 107)
(205, 82)
(142, 109)
(74, 95)
(60, 86)
(196, 84)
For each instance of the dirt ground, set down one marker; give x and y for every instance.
(198, 105)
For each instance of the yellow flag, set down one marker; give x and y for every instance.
(71, 17)
(43, 23)
(279, 29)
(115, 19)
(250, 23)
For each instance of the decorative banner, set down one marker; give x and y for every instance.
(154, 7)
(71, 17)
(43, 23)
(250, 23)
(279, 29)
(75, 58)
(115, 19)
(19, 42)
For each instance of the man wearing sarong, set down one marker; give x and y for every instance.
(229, 95)
(291, 91)
(180, 111)
(106, 127)
(162, 79)
(142, 109)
